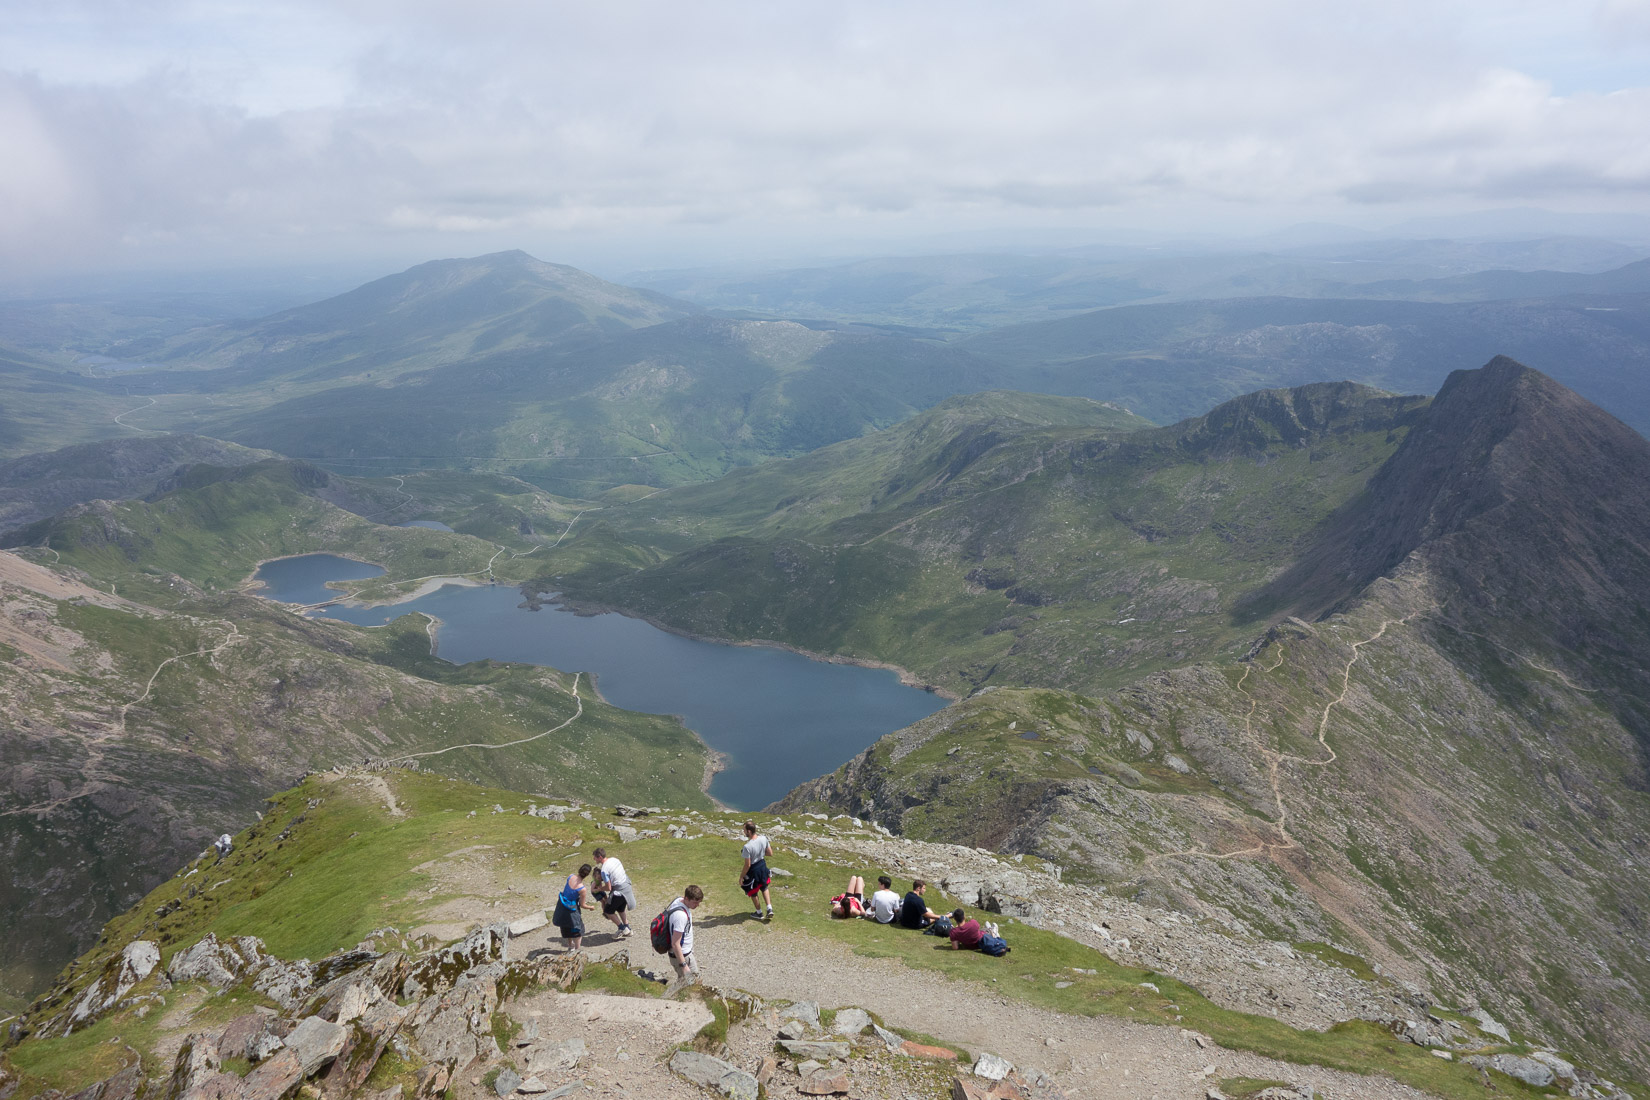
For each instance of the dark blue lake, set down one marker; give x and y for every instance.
(780, 718)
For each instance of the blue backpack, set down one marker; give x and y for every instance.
(994, 945)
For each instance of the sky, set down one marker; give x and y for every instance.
(170, 133)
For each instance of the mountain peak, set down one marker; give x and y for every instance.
(1525, 501)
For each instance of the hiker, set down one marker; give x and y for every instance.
(754, 878)
(884, 903)
(851, 902)
(616, 894)
(224, 844)
(966, 934)
(680, 920)
(569, 908)
(914, 911)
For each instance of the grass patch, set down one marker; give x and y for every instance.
(1247, 1088)
(1360, 968)
(609, 977)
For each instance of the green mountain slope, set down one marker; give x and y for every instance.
(35, 486)
(134, 731)
(675, 402)
(1000, 539)
(1448, 769)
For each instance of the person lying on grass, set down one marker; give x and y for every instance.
(851, 902)
(966, 932)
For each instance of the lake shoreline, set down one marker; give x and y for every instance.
(590, 608)
(716, 761)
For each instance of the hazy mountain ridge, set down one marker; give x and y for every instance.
(1432, 768)
(1175, 360)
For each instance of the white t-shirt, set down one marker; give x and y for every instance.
(613, 871)
(884, 904)
(682, 921)
(756, 848)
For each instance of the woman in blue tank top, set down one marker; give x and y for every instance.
(570, 904)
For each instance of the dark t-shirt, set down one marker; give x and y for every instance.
(968, 934)
(913, 910)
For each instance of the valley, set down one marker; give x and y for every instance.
(1316, 664)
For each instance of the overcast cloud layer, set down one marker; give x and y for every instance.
(153, 131)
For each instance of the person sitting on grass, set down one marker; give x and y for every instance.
(884, 903)
(966, 932)
(914, 911)
(851, 902)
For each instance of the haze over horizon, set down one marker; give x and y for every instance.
(166, 134)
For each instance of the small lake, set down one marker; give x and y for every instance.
(780, 718)
(304, 579)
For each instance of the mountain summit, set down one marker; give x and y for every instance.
(1529, 503)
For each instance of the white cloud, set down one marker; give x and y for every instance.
(216, 123)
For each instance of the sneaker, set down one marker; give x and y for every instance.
(770, 914)
(625, 932)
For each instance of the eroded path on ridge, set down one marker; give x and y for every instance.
(1275, 757)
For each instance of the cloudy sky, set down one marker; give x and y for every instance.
(161, 132)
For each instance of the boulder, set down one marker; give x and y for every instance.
(850, 1022)
(1489, 1025)
(808, 1048)
(275, 1078)
(506, 1082)
(197, 1060)
(806, 1011)
(825, 1083)
(217, 964)
(316, 1042)
(793, 1029)
(136, 961)
(892, 1041)
(992, 1068)
(556, 1057)
(455, 1028)
(1527, 1070)
(1559, 1066)
(530, 923)
(724, 1077)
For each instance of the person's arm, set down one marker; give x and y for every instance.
(676, 947)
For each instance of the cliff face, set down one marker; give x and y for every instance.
(1438, 743)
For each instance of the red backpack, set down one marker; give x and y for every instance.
(658, 932)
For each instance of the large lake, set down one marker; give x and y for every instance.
(780, 718)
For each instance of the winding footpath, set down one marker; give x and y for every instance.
(577, 711)
(1275, 757)
(97, 749)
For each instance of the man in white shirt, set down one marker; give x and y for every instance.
(620, 898)
(681, 935)
(885, 903)
(755, 877)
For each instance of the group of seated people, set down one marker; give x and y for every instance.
(911, 911)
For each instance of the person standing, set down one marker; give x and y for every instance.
(621, 896)
(754, 879)
(680, 919)
(570, 906)
(885, 904)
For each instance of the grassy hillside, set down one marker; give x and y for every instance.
(336, 858)
(134, 733)
(999, 539)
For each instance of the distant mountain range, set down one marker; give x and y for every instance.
(505, 364)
